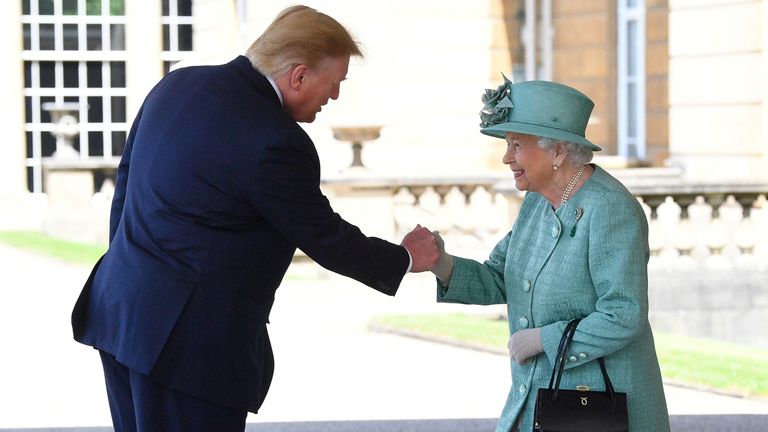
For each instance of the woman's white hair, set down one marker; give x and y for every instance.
(576, 154)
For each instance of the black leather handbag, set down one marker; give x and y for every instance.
(579, 410)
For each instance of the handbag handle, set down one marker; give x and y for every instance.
(562, 350)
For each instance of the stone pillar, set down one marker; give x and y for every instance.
(71, 213)
(12, 175)
(217, 32)
(764, 86)
(143, 44)
(715, 99)
(20, 209)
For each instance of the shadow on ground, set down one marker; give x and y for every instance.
(680, 423)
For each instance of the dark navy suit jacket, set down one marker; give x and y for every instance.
(216, 189)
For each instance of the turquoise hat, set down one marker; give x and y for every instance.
(540, 108)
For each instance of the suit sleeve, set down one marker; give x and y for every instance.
(121, 179)
(286, 192)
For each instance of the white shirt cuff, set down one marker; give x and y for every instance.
(410, 261)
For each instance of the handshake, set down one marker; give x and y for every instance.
(427, 251)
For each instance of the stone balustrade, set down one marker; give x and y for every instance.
(692, 226)
(708, 270)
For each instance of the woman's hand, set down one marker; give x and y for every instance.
(525, 344)
(444, 266)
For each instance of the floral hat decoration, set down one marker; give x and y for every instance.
(541, 108)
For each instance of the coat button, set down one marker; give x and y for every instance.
(572, 358)
(555, 231)
(523, 321)
(582, 356)
(522, 388)
(526, 285)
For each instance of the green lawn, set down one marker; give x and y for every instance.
(702, 363)
(39, 243)
(72, 252)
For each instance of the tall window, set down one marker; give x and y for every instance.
(177, 32)
(74, 56)
(631, 78)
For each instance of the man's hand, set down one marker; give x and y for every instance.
(525, 344)
(422, 246)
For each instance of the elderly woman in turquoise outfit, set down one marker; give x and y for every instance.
(578, 249)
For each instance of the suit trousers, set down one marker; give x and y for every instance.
(140, 404)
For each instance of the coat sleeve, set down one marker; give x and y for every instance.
(618, 258)
(285, 191)
(121, 179)
(475, 283)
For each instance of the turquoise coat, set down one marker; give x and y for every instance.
(553, 267)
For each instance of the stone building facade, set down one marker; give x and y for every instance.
(678, 83)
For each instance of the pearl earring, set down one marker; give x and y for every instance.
(554, 167)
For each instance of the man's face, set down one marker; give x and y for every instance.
(318, 84)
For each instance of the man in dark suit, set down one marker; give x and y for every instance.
(217, 187)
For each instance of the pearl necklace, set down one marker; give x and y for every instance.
(571, 184)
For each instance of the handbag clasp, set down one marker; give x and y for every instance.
(582, 388)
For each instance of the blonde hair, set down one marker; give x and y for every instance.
(300, 35)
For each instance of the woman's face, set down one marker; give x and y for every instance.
(531, 166)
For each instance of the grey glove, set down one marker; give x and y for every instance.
(444, 266)
(525, 344)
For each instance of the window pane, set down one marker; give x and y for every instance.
(27, 74)
(45, 116)
(46, 7)
(631, 111)
(94, 37)
(48, 143)
(30, 179)
(76, 142)
(165, 8)
(166, 37)
(95, 143)
(47, 74)
(184, 8)
(118, 142)
(93, 7)
(632, 48)
(70, 37)
(28, 109)
(95, 109)
(117, 36)
(70, 75)
(47, 37)
(27, 37)
(30, 145)
(94, 74)
(69, 7)
(185, 37)
(117, 70)
(25, 7)
(118, 109)
(117, 7)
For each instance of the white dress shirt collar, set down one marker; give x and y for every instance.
(277, 89)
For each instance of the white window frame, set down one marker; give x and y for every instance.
(173, 20)
(82, 56)
(631, 146)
